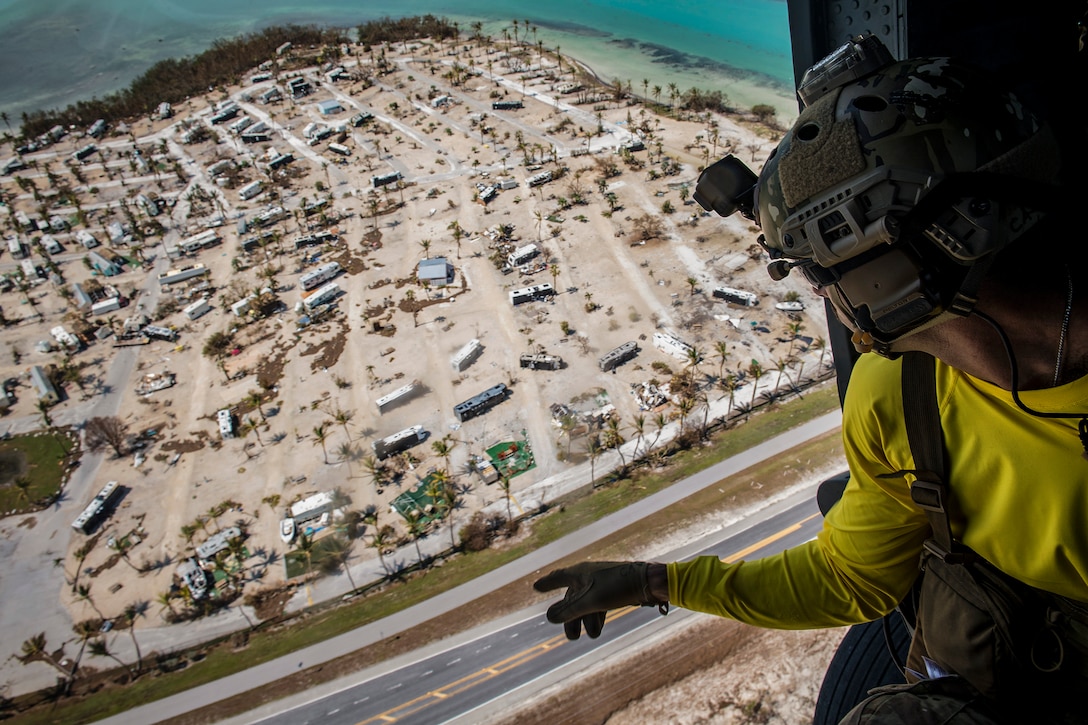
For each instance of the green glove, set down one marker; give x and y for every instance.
(594, 587)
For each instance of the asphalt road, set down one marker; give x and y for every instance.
(507, 663)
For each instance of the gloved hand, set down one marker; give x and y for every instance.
(594, 587)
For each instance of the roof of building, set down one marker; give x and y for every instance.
(435, 268)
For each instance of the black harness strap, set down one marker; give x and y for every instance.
(922, 419)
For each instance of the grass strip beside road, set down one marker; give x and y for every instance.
(224, 657)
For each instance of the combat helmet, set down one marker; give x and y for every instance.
(897, 184)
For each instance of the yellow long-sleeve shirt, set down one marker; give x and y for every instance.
(1020, 499)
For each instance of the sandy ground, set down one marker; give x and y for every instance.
(614, 288)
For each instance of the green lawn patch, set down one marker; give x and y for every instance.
(33, 469)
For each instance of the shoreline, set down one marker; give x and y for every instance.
(642, 56)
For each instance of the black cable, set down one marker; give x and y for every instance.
(1014, 371)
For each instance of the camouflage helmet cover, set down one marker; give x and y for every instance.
(861, 157)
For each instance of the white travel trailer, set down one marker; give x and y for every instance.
(530, 294)
(250, 190)
(317, 277)
(197, 309)
(521, 255)
(173, 276)
(466, 355)
(320, 296)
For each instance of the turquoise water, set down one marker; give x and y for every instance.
(53, 52)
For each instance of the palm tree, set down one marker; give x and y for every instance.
(379, 540)
(694, 357)
(83, 591)
(306, 547)
(22, 485)
(99, 648)
(376, 470)
(321, 436)
(660, 421)
(613, 438)
(780, 364)
(343, 417)
(85, 632)
(417, 529)
(443, 448)
(336, 555)
(255, 399)
(250, 425)
(640, 427)
(567, 424)
(504, 483)
(730, 385)
(820, 344)
(721, 348)
(756, 371)
(34, 648)
(686, 405)
(165, 600)
(593, 449)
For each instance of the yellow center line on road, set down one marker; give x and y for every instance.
(509, 663)
(768, 541)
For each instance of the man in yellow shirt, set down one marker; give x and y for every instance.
(925, 204)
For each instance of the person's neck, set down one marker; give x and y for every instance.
(1033, 324)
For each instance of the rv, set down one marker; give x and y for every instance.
(197, 309)
(65, 338)
(537, 179)
(107, 305)
(399, 395)
(320, 296)
(736, 296)
(97, 508)
(86, 239)
(219, 541)
(161, 333)
(312, 508)
(84, 151)
(618, 356)
(250, 190)
(226, 423)
(384, 179)
(541, 362)
(226, 113)
(481, 403)
(317, 277)
(17, 249)
(240, 125)
(97, 129)
(402, 441)
(531, 294)
(521, 255)
(173, 276)
(466, 355)
(220, 167)
(313, 240)
(339, 149)
(506, 105)
(51, 245)
(193, 244)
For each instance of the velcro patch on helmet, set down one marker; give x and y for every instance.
(823, 152)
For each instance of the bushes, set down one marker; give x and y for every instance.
(481, 531)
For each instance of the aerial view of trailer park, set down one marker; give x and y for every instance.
(329, 326)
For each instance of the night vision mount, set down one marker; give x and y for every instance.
(727, 186)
